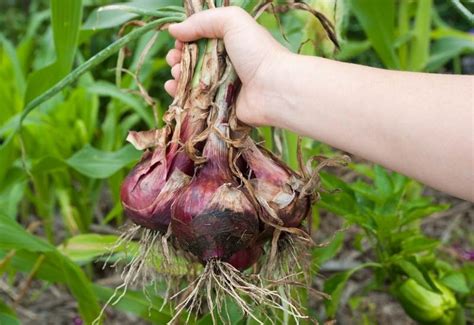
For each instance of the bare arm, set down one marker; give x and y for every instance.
(421, 125)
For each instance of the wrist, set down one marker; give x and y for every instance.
(282, 90)
(276, 97)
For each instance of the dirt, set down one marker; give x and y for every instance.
(53, 305)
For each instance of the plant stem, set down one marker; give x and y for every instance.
(420, 44)
(403, 29)
(160, 13)
(95, 61)
(291, 148)
(463, 10)
(88, 65)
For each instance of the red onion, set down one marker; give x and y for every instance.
(276, 186)
(245, 258)
(213, 218)
(220, 209)
(149, 190)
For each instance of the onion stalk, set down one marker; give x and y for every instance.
(205, 183)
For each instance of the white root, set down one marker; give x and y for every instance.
(141, 270)
(220, 280)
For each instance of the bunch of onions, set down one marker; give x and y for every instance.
(213, 218)
(165, 168)
(149, 190)
(220, 197)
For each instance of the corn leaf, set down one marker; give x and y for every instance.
(147, 307)
(9, 50)
(113, 15)
(135, 103)
(66, 19)
(420, 44)
(446, 49)
(378, 21)
(56, 267)
(95, 163)
(7, 315)
(86, 248)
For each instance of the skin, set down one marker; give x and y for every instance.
(418, 124)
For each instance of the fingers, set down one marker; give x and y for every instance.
(171, 87)
(212, 23)
(173, 57)
(176, 71)
(178, 45)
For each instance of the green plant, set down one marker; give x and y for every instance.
(406, 35)
(388, 208)
(426, 306)
(60, 176)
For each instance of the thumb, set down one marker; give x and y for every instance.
(213, 23)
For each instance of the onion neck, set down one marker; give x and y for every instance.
(202, 88)
(216, 150)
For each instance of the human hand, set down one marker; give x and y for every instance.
(256, 56)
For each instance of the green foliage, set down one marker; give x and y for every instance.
(56, 168)
(378, 20)
(33, 254)
(66, 20)
(94, 163)
(65, 167)
(7, 315)
(402, 34)
(113, 16)
(388, 208)
(138, 304)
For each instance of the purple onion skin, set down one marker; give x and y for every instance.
(142, 195)
(245, 258)
(272, 178)
(212, 218)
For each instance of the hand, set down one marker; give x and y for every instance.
(253, 51)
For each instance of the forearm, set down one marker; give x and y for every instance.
(418, 124)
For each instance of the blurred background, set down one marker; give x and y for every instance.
(60, 210)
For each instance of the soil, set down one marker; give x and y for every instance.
(53, 305)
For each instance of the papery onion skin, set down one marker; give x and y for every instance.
(149, 190)
(213, 218)
(273, 183)
(147, 193)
